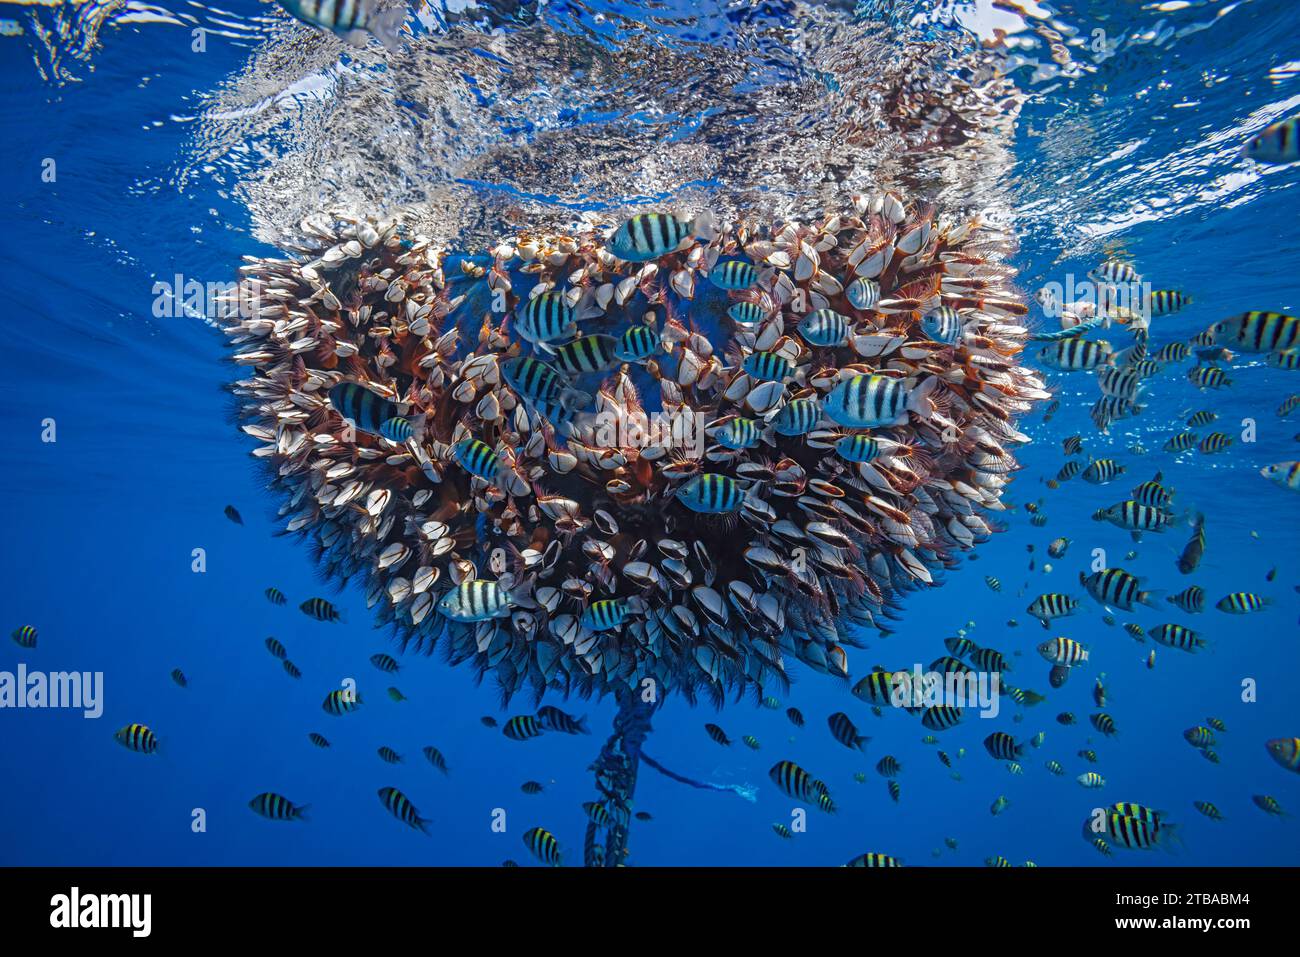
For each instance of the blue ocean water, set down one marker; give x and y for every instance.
(1136, 152)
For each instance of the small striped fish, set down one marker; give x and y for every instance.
(859, 448)
(942, 325)
(863, 294)
(845, 732)
(739, 433)
(1153, 493)
(637, 344)
(1119, 381)
(1214, 442)
(137, 737)
(793, 781)
(596, 353)
(605, 615)
(475, 600)
(1177, 636)
(1208, 377)
(867, 401)
(1101, 471)
(321, 609)
(351, 19)
(747, 313)
(400, 806)
(710, 493)
(1259, 331)
(537, 382)
(341, 702)
(543, 845)
(1173, 352)
(767, 366)
(1276, 144)
(1164, 301)
(1285, 474)
(1075, 354)
(1052, 605)
(370, 412)
(522, 727)
(1242, 602)
(1191, 599)
(546, 317)
(1063, 651)
(1286, 752)
(1135, 516)
(1114, 586)
(649, 236)
(733, 274)
(1114, 271)
(277, 807)
(476, 458)
(825, 327)
(798, 417)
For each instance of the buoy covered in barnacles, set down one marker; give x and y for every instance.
(684, 454)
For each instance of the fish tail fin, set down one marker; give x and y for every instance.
(386, 26)
(1151, 596)
(705, 226)
(574, 400)
(301, 813)
(1169, 838)
(581, 725)
(861, 741)
(918, 400)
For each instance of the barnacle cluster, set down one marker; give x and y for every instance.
(819, 544)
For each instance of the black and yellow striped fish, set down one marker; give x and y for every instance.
(793, 781)
(137, 737)
(341, 702)
(477, 458)
(321, 609)
(370, 412)
(435, 757)
(277, 807)
(733, 274)
(522, 727)
(1258, 331)
(711, 493)
(1242, 602)
(400, 806)
(1177, 636)
(649, 236)
(543, 845)
(595, 353)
